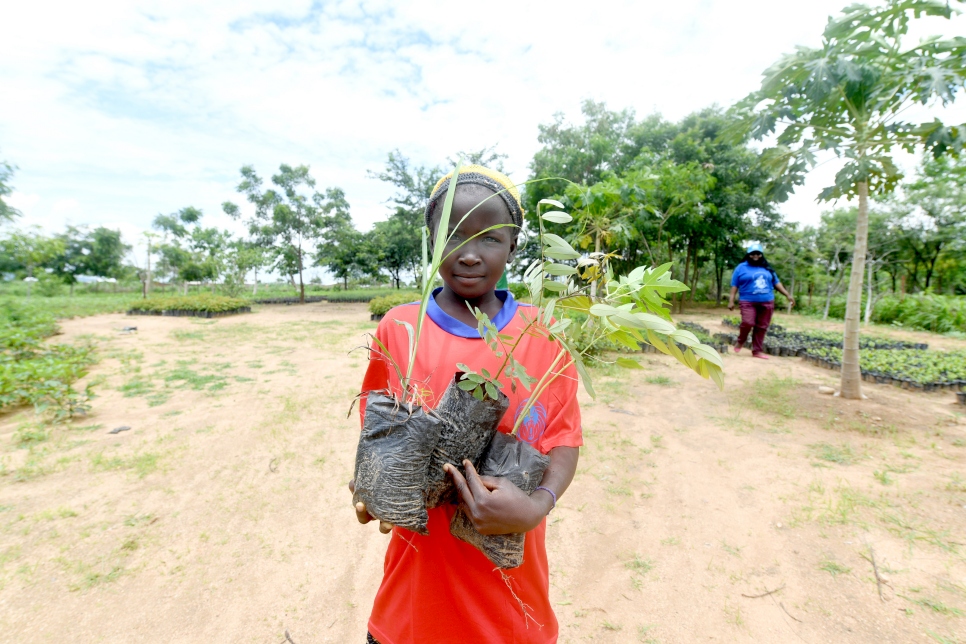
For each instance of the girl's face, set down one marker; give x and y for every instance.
(472, 270)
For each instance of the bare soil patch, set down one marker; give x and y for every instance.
(222, 515)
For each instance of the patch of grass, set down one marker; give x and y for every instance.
(833, 568)
(181, 336)
(30, 433)
(936, 606)
(657, 441)
(882, 477)
(639, 564)
(137, 386)
(773, 396)
(612, 627)
(662, 381)
(734, 551)
(841, 454)
(142, 464)
(670, 541)
(188, 377)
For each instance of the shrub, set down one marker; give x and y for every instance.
(33, 372)
(519, 290)
(381, 305)
(203, 303)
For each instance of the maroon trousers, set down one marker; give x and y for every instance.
(757, 316)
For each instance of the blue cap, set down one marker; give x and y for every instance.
(755, 247)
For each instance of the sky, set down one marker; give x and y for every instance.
(115, 111)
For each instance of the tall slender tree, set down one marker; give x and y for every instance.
(288, 218)
(849, 96)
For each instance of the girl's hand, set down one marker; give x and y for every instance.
(495, 505)
(363, 516)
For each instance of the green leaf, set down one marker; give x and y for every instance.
(684, 337)
(559, 270)
(584, 374)
(491, 391)
(556, 287)
(478, 394)
(628, 363)
(462, 367)
(557, 217)
(467, 385)
(556, 253)
(709, 354)
(657, 343)
(717, 375)
(552, 202)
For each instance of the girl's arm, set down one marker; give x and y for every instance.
(731, 298)
(497, 506)
(781, 289)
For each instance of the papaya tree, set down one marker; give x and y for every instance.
(849, 96)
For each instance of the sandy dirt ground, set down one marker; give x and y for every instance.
(765, 513)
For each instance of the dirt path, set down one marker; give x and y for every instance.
(222, 514)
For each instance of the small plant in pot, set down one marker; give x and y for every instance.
(627, 310)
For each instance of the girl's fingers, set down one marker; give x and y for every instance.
(473, 480)
(461, 486)
(384, 527)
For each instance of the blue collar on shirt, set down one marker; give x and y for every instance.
(451, 325)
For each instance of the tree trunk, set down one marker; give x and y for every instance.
(851, 386)
(255, 288)
(868, 297)
(811, 289)
(694, 277)
(788, 303)
(828, 300)
(345, 283)
(186, 287)
(72, 289)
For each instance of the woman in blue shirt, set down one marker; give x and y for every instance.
(755, 282)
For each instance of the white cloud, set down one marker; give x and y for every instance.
(129, 109)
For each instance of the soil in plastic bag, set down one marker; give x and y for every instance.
(524, 466)
(392, 461)
(466, 433)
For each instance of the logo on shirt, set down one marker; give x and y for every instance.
(761, 286)
(534, 424)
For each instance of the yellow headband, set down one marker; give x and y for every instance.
(479, 175)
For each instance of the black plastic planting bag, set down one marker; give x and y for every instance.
(524, 466)
(467, 431)
(392, 461)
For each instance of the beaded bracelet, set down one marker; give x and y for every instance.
(550, 492)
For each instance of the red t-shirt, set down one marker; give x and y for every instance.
(437, 588)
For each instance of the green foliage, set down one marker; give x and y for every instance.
(936, 313)
(911, 365)
(368, 294)
(7, 212)
(381, 305)
(202, 303)
(34, 372)
(519, 290)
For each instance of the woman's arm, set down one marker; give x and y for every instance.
(781, 289)
(497, 506)
(731, 298)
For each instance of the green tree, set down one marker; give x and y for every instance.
(190, 252)
(30, 251)
(848, 96)
(934, 220)
(288, 218)
(98, 252)
(397, 244)
(342, 249)
(7, 212)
